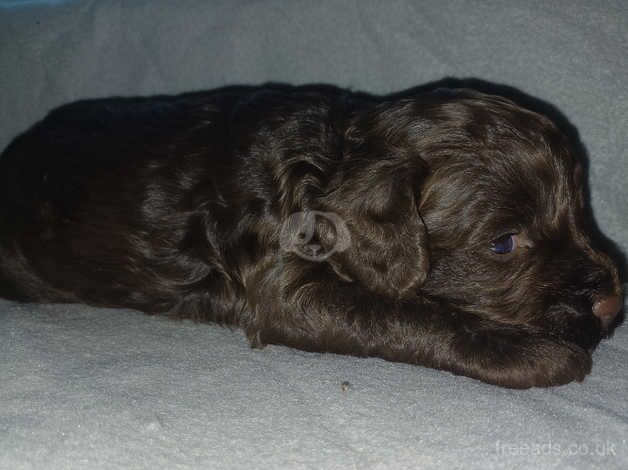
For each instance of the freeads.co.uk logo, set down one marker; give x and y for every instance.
(299, 235)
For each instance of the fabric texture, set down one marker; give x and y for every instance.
(93, 388)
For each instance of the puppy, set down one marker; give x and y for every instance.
(442, 228)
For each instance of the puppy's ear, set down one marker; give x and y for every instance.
(376, 196)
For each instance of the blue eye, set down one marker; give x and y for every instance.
(503, 245)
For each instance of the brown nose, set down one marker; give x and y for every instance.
(607, 308)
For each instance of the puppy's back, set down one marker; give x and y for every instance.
(74, 191)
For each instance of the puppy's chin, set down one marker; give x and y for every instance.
(569, 324)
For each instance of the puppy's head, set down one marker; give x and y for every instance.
(484, 206)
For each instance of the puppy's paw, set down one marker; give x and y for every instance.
(547, 362)
(519, 358)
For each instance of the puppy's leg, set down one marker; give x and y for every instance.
(326, 314)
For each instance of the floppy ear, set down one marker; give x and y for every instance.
(381, 178)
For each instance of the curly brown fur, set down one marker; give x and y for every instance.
(176, 205)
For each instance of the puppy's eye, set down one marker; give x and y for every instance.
(504, 244)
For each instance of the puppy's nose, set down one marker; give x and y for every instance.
(607, 308)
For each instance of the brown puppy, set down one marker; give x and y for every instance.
(443, 229)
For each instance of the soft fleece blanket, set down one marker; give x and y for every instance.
(94, 388)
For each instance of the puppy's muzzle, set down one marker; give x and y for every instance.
(607, 308)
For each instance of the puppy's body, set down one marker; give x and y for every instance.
(178, 205)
